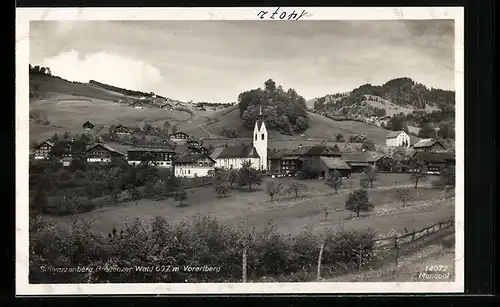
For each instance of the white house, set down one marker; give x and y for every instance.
(397, 139)
(232, 157)
(193, 165)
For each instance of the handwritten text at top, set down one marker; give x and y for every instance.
(281, 14)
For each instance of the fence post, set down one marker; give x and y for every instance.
(397, 250)
(244, 268)
(319, 260)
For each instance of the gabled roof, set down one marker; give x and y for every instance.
(362, 157)
(393, 134)
(427, 143)
(51, 144)
(107, 147)
(316, 150)
(87, 123)
(216, 152)
(178, 132)
(192, 157)
(238, 151)
(335, 163)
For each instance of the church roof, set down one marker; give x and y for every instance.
(238, 151)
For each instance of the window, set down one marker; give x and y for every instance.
(189, 171)
(256, 136)
(262, 137)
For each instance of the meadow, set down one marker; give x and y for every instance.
(426, 206)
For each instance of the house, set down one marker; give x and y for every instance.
(88, 125)
(159, 156)
(397, 139)
(307, 159)
(122, 130)
(66, 161)
(179, 137)
(435, 162)
(194, 165)
(137, 105)
(334, 164)
(429, 145)
(359, 161)
(69, 148)
(42, 150)
(234, 156)
(100, 153)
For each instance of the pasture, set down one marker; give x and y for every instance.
(426, 206)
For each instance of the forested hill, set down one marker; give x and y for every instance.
(284, 111)
(122, 90)
(401, 91)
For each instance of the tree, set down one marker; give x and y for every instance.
(339, 137)
(221, 187)
(446, 130)
(358, 201)
(232, 177)
(296, 187)
(402, 194)
(426, 131)
(447, 178)
(335, 181)
(174, 129)
(370, 175)
(247, 175)
(166, 126)
(273, 187)
(66, 135)
(180, 196)
(419, 172)
(368, 145)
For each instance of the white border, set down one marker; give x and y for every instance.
(24, 15)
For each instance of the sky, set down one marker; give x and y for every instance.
(217, 60)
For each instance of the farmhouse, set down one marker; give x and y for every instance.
(42, 150)
(69, 148)
(359, 161)
(99, 153)
(332, 164)
(433, 161)
(193, 165)
(397, 138)
(88, 125)
(159, 156)
(309, 160)
(179, 137)
(429, 145)
(234, 156)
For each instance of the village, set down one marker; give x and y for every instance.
(187, 157)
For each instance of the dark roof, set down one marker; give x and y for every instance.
(427, 143)
(238, 151)
(393, 134)
(316, 150)
(87, 123)
(362, 156)
(51, 144)
(107, 147)
(192, 157)
(335, 163)
(216, 152)
(437, 157)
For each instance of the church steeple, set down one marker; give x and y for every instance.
(260, 139)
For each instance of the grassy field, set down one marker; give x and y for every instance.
(292, 214)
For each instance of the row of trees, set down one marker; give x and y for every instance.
(40, 70)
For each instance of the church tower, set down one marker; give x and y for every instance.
(260, 140)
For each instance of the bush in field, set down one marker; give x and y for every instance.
(402, 195)
(370, 175)
(180, 196)
(296, 187)
(335, 181)
(358, 201)
(273, 188)
(349, 247)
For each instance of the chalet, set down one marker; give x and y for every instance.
(102, 153)
(88, 125)
(397, 139)
(307, 159)
(179, 137)
(122, 130)
(42, 150)
(159, 156)
(429, 145)
(433, 161)
(194, 165)
(359, 161)
(329, 165)
(69, 148)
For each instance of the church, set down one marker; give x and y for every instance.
(232, 157)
